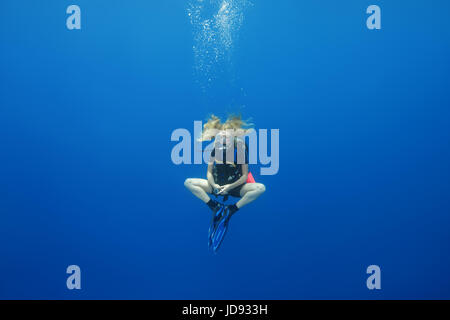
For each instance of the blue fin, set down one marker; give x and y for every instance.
(216, 216)
(221, 229)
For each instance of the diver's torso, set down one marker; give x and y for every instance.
(225, 172)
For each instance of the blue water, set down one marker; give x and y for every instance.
(86, 176)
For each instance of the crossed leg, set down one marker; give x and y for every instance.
(249, 193)
(199, 188)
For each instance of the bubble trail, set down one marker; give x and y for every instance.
(216, 25)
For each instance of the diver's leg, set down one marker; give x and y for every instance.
(199, 188)
(249, 193)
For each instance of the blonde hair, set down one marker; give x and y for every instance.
(234, 123)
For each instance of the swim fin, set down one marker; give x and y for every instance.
(221, 229)
(216, 216)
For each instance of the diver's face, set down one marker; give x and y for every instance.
(224, 137)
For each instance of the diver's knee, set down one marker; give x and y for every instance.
(188, 183)
(261, 188)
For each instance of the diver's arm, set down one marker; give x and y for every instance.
(210, 177)
(242, 179)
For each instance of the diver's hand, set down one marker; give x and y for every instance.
(215, 188)
(224, 189)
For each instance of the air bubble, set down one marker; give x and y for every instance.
(216, 26)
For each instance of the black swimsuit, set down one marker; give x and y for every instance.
(227, 173)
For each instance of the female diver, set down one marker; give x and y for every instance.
(227, 174)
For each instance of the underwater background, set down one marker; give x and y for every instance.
(86, 176)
